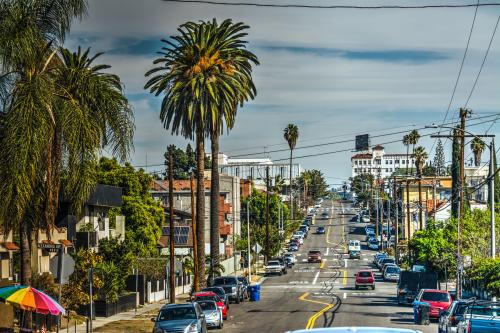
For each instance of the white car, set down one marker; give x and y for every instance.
(298, 233)
(274, 267)
(291, 256)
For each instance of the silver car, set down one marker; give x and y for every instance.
(186, 318)
(213, 315)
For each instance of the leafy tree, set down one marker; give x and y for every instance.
(313, 184)
(407, 141)
(439, 160)
(362, 185)
(144, 216)
(120, 254)
(112, 279)
(487, 271)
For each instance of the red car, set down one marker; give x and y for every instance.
(314, 256)
(439, 300)
(365, 278)
(211, 296)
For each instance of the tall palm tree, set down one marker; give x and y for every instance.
(420, 158)
(406, 142)
(291, 135)
(229, 67)
(477, 145)
(58, 111)
(414, 136)
(204, 73)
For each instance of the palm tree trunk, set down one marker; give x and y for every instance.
(214, 201)
(421, 223)
(407, 157)
(200, 206)
(290, 186)
(25, 237)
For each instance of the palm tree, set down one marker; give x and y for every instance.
(414, 136)
(291, 135)
(420, 158)
(406, 142)
(477, 145)
(229, 67)
(58, 111)
(204, 73)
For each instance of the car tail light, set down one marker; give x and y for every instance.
(468, 327)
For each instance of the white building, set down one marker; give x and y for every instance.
(376, 162)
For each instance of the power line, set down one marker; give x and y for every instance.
(275, 5)
(460, 70)
(482, 64)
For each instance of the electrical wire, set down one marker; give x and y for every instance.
(304, 6)
(482, 64)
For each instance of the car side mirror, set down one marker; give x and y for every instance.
(153, 319)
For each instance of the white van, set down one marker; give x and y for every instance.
(354, 245)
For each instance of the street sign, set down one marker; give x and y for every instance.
(257, 248)
(68, 266)
(49, 247)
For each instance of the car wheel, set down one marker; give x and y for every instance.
(356, 287)
(221, 324)
(373, 287)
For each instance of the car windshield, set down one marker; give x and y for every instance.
(392, 269)
(177, 313)
(364, 274)
(220, 281)
(460, 309)
(206, 305)
(373, 241)
(218, 291)
(273, 263)
(207, 298)
(435, 297)
(387, 261)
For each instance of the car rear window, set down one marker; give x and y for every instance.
(435, 297)
(207, 305)
(364, 274)
(220, 281)
(273, 263)
(392, 269)
(314, 252)
(207, 298)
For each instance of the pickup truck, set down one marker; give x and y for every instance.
(480, 317)
(410, 283)
(231, 286)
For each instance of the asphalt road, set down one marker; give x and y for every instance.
(323, 295)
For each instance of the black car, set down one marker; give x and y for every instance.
(320, 230)
(220, 292)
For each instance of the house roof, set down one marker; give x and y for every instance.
(179, 185)
(361, 156)
(10, 246)
(66, 242)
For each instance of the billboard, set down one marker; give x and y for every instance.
(362, 142)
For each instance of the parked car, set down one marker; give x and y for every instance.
(213, 315)
(314, 256)
(220, 292)
(231, 286)
(274, 267)
(449, 319)
(244, 284)
(366, 218)
(320, 230)
(439, 300)
(290, 256)
(391, 273)
(293, 247)
(373, 244)
(377, 256)
(384, 261)
(480, 317)
(282, 263)
(187, 317)
(211, 296)
(384, 266)
(299, 239)
(370, 234)
(298, 234)
(364, 278)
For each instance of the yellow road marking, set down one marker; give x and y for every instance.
(322, 264)
(312, 319)
(345, 278)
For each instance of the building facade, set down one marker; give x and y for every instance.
(379, 163)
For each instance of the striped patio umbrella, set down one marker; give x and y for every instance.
(31, 299)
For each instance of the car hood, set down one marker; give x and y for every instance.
(175, 324)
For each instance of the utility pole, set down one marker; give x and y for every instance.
(196, 281)
(408, 218)
(267, 214)
(434, 204)
(396, 218)
(463, 116)
(492, 197)
(248, 241)
(171, 275)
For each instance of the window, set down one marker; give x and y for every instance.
(403, 162)
(364, 162)
(390, 161)
(386, 162)
(396, 162)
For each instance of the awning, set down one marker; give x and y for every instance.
(10, 246)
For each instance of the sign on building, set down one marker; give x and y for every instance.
(362, 142)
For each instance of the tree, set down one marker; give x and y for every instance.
(456, 182)
(362, 185)
(420, 157)
(313, 184)
(226, 73)
(202, 83)
(487, 271)
(59, 109)
(477, 146)
(413, 138)
(407, 142)
(181, 169)
(439, 161)
(144, 216)
(291, 135)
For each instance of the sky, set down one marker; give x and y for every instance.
(333, 73)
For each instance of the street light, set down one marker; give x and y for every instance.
(491, 174)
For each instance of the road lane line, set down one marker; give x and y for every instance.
(345, 278)
(312, 319)
(345, 295)
(316, 277)
(327, 250)
(345, 261)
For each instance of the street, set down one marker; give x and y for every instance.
(323, 295)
